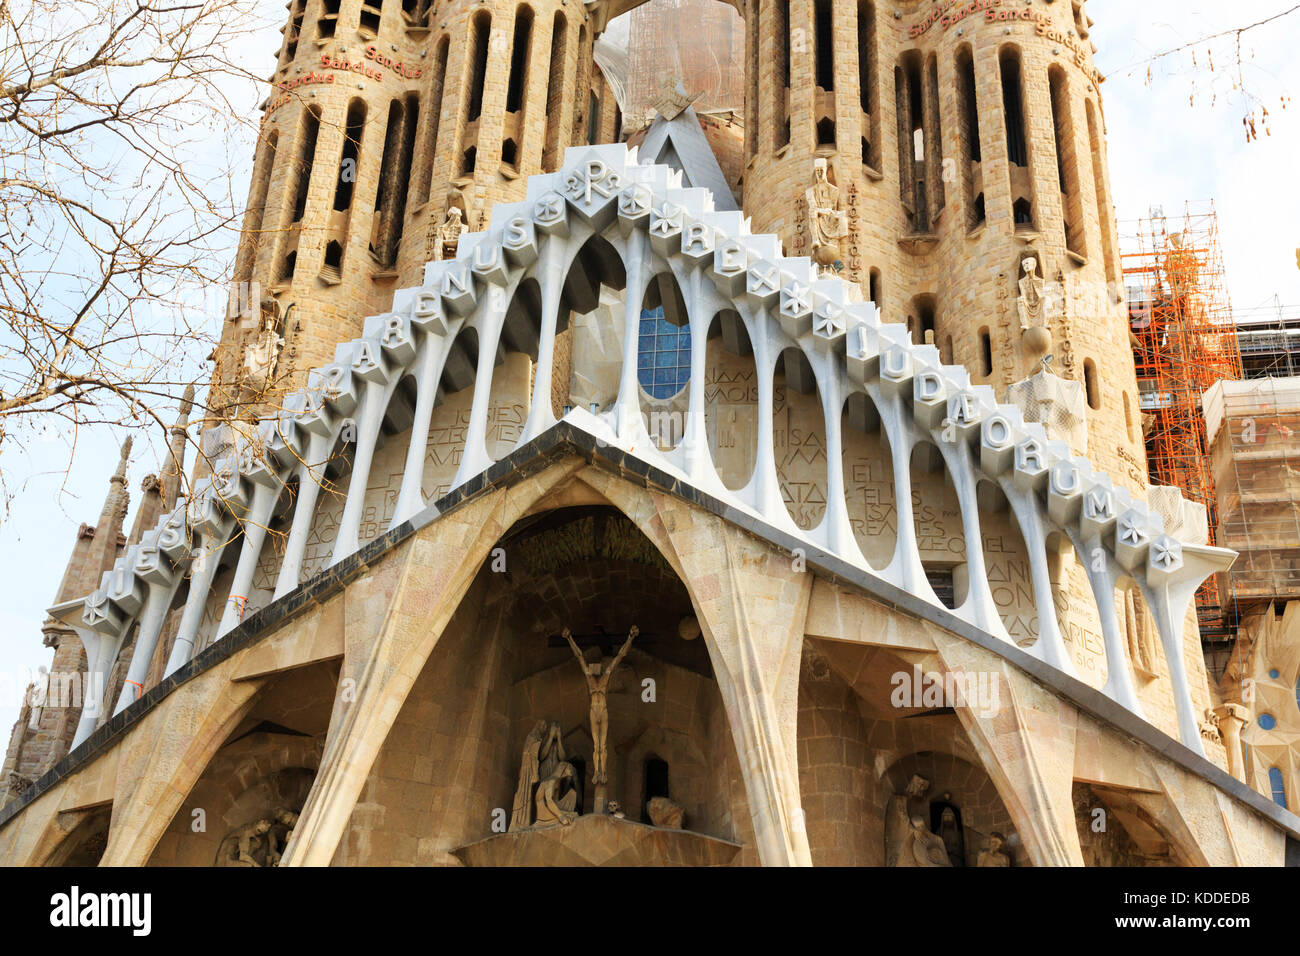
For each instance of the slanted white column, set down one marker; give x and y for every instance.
(310, 475)
(161, 581)
(490, 317)
(374, 401)
(204, 569)
(254, 526)
(627, 408)
(550, 278)
(433, 355)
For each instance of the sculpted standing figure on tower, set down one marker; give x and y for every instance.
(827, 222)
(1031, 304)
(598, 675)
(449, 233)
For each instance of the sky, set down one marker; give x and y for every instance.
(1174, 136)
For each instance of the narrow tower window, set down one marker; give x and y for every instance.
(781, 73)
(394, 173)
(1091, 385)
(479, 38)
(555, 93)
(823, 38)
(867, 95)
(351, 150)
(429, 151)
(295, 29)
(1013, 112)
(1103, 201)
(257, 209)
(517, 89)
(971, 172)
(1067, 162)
(306, 156)
(986, 352)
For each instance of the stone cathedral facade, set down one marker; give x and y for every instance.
(719, 487)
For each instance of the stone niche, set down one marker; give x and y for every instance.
(443, 786)
(264, 770)
(858, 752)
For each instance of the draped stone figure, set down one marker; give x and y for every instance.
(827, 222)
(923, 848)
(521, 816)
(898, 820)
(249, 845)
(449, 233)
(993, 855)
(557, 796)
(1032, 303)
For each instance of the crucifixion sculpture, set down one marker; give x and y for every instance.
(597, 676)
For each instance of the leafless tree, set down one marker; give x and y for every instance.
(117, 217)
(1217, 64)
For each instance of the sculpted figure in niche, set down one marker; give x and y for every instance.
(521, 816)
(666, 813)
(950, 834)
(278, 838)
(1032, 301)
(993, 854)
(598, 675)
(263, 351)
(249, 845)
(557, 796)
(828, 223)
(924, 848)
(898, 820)
(449, 233)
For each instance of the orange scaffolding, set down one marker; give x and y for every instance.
(1184, 340)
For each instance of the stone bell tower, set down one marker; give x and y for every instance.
(966, 144)
(382, 119)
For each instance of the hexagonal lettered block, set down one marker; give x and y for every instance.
(1132, 538)
(457, 289)
(666, 229)
(591, 189)
(730, 265)
(997, 445)
(551, 215)
(634, 202)
(488, 264)
(929, 398)
(1031, 465)
(519, 240)
(426, 313)
(762, 283)
(1098, 514)
(1164, 559)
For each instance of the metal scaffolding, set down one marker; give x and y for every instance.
(1184, 341)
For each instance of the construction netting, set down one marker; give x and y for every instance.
(1059, 405)
(1254, 433)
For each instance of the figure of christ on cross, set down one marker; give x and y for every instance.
(598, 675)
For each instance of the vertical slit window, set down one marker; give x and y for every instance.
(867, 96)
(1067, 162)
(555, 93)
(429, 151)
(781, 88)
(351, 151)
(306, 156)
(1103, 201)
(593, 118)
(934, 141)
(824, 39)
(517, 90)
(257, 209)
(295, 29)
(394, 173)
(1013, 114)
(969, 140)
(481, 30)
(986, 352)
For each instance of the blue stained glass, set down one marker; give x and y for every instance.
(1267, 721)
(664, 355)
(1278, 786)
(1273, 674)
